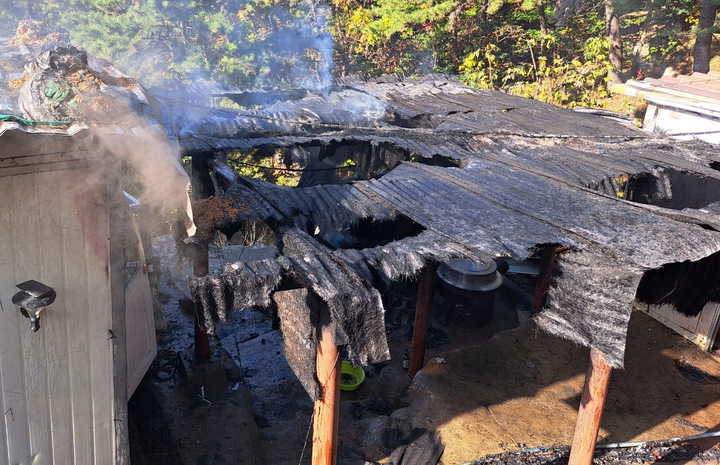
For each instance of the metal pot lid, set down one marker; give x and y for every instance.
(470, 268)
(470, 276)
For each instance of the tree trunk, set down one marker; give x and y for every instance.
(640, 45)
(543, 24)
(612, 28)
(703, 40)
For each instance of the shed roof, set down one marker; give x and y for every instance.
(698, 92)
(526, 174)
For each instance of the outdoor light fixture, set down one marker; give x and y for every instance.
(32, 299)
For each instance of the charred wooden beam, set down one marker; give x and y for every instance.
(200, 268)
(422, 317)
(543, 282)
(224, 175)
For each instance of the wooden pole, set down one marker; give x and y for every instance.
(591, 408)
(201, 268)
(422, 317)
(327, 407)
(543, 284)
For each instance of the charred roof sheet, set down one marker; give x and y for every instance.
(33, 60)
(437, 103)
(489, 208)
(529, 174)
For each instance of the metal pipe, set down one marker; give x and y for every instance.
(612, 445)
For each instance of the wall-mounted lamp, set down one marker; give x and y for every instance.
(32, 299)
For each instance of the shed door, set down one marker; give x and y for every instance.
(140, 323)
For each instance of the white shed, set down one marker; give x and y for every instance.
(684, 107)
(63, 222)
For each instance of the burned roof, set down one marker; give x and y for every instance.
(483, 174)
(49, 86)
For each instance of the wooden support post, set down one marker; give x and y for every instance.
(591, 408)
(543, 282)
(201, 268)
(327, 407)
(422, 317)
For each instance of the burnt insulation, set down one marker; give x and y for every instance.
(517, 182)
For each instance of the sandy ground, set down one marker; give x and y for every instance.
(485, 390)
(522, 388)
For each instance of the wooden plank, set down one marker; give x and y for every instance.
(28, 253)
(327, 407)
(140, 330)
(139, 319)
(592, 402)
(422, 318)
(53, 321)
(14, 444)
(92, 207)
(118, 216)
(78, 259)
(701, 329)
(707, 327)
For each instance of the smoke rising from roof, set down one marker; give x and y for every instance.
(64, 85)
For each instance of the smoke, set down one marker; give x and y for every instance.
(243, 44)
(154, 173)
(316, 37)
(63, 84)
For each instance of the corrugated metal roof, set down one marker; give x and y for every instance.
(528, 174)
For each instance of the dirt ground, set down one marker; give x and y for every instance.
(485, 391)
(522, 388)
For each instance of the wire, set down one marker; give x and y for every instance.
(307, 435)
(312, 417)
(614, 445)
(682, 134)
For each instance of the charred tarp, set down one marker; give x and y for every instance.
(527, 175)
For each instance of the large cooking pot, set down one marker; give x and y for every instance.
(470, 289)
(470, 276)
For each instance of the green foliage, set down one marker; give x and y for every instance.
(577, 82)
(271, 169)
(246, 43)
(515, 46)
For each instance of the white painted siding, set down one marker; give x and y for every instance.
(56, 385)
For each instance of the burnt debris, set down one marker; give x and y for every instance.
(481, 180)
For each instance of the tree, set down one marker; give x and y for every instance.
(245, 43)
(612, 30)
(703, 40)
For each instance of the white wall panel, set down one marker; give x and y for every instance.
(56, 385)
